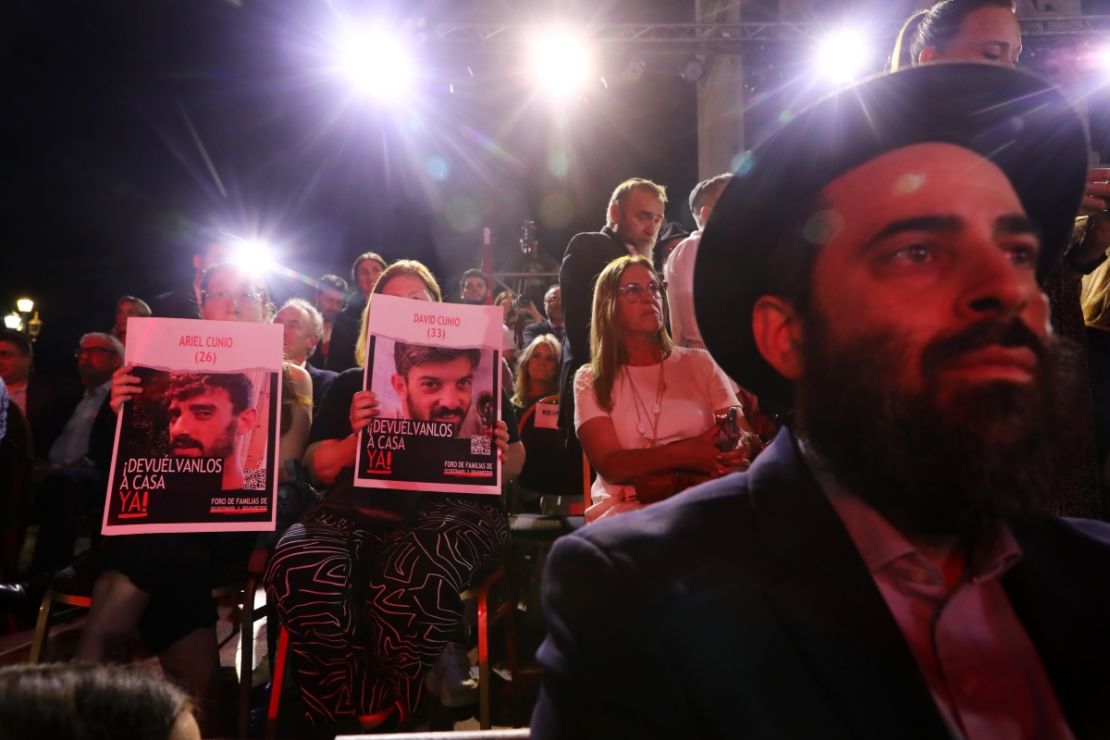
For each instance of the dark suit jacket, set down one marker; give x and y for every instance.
(49, 405)
(102, 436)
(344, 335)
(535, 330)
(742, 609)
(585, 258)
(321, 381)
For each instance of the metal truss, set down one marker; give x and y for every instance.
(728, 37)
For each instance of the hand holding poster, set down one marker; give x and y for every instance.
(196, 450)
(435, 370)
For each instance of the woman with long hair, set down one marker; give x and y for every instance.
(537, 373)
(367, 583)
(645, 409)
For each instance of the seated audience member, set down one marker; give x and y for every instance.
(331, 299)
(162, 583)
(79, 460)
(511, 327)
(126, 307)
(83, 702)
(1096, 313)
(368, 582)
(645, 409)
(303, 327)
(553, 324)
(16, 458)
(184, 302)
(886, 568)
(46, 403)
(537, 376)
(365, 271)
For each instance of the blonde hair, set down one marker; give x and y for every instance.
(623, 190)
(608, 355)
(400, 267)
(523, 379)
(1095, 297)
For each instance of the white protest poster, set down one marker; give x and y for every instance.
(196, 450)
(435, 369)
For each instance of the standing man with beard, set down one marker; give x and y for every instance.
(632, 222)
(331, 299)
(885, 568)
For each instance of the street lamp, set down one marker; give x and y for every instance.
(22, 319)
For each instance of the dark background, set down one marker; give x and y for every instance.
(107, 190)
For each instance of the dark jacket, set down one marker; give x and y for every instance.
(586, 256)
(344, 335)
(321, 381)
(50, 403)
(742, 609)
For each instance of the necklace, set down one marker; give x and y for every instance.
(646, 418)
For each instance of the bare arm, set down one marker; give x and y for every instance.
(616, 464)
(328, 457)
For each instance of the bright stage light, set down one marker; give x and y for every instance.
(376, 63)
(562, 61)
(843, 56)
(25, 305)
(14, 322)
(254, 254)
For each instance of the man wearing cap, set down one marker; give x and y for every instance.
(885, 568)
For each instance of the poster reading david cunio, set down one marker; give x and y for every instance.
(196, 450)
(435, 369)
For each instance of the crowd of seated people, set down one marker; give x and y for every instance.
(366, 583)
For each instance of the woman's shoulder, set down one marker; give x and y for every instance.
(690, 356)
(584, 376)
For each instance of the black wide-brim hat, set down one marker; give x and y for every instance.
(1016, 120)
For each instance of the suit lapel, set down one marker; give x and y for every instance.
(829, 604)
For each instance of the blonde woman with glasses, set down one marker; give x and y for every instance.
(645, 409)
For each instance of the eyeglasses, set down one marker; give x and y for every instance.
(244, 298)
(90, 350)
(640, 293)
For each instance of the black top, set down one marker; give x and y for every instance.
(333, 422)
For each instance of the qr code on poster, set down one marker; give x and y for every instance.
(479, 445)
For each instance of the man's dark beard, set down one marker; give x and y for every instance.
(940, 463)
(223, 446)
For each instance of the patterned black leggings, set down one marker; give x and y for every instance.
(369, 609)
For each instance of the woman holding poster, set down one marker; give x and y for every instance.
(367, 584)
(645, 408)
(162, 583)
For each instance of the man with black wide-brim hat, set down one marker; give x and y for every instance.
(885, 568)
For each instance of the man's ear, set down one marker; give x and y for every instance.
(246, 421)
(777, 330)
(614, 213)
(928, 54)
(399, 386)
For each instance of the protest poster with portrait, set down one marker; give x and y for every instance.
(197, 449)
(435, 369)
